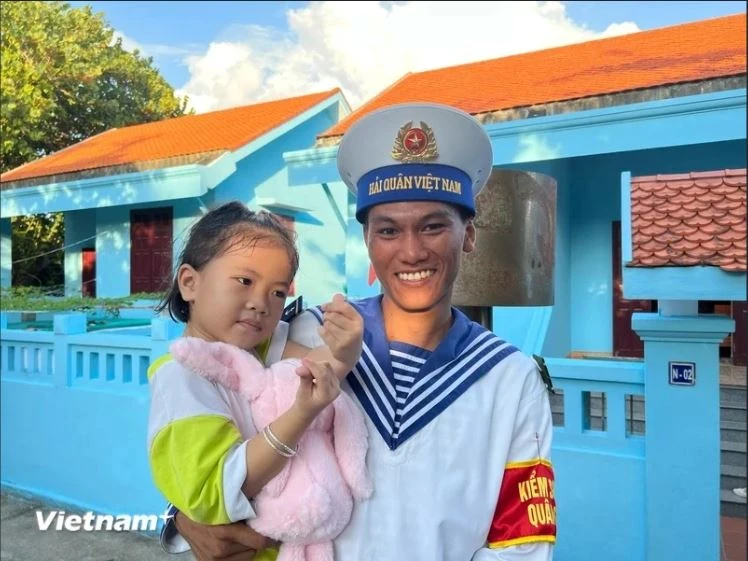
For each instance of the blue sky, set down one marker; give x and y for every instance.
(205, 48)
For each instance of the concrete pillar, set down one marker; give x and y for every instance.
(681, 355)
(678, 307)
(80, 232)
(65, 325)
(163, 331)
(6, 252)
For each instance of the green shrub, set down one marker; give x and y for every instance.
(34, 299)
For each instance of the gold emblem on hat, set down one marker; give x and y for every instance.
(414, 144)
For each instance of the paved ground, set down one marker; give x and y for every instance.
(21, 539)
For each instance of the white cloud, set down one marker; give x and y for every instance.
(128, 43)
(366, 46)
(534, 148)
(153, 49)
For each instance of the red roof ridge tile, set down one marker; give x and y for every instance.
(643, 178)
(736, 172)
(702, 174)
(673, 176)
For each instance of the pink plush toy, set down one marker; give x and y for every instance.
(310, 501)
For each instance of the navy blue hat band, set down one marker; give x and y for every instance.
(414, 182)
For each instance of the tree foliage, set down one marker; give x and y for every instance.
(35, 240)
(65, 77)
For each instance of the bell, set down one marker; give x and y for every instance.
(514, 257)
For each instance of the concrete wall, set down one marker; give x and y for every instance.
(185, 213)
(113, 252)
(79, 225)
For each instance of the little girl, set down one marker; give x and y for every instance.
(206, 456)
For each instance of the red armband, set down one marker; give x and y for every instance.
(526, 510)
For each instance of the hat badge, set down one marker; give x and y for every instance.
(415, 144)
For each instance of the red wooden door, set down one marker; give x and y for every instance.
(625, 340)
(150, 250)
(739, 339)
(88, 273)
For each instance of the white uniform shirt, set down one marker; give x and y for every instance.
(435, 495)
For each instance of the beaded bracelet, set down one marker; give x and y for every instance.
(275, 443)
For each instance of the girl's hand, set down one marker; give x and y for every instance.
(318, 388)
(343, 331)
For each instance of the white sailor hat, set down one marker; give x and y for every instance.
(415, 152)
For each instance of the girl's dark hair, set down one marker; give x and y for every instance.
(210, 237)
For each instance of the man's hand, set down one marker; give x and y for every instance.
(226, 542)
(342, 330)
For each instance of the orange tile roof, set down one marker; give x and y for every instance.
(228, 129)
(689, 219)
(683, 53)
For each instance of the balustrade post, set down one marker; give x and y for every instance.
(64, 326)
(163, 331)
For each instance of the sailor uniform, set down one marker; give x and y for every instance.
(484, 417)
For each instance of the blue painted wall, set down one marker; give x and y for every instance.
(185, 213)
(97, 446)
(688, 120)
(595, 204)
(113, 251)
(5, 253)
(321, 228)
(79, 225)
(357, 258)
(75, 415)
(545, 330)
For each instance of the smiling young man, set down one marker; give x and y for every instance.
(459, 419)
